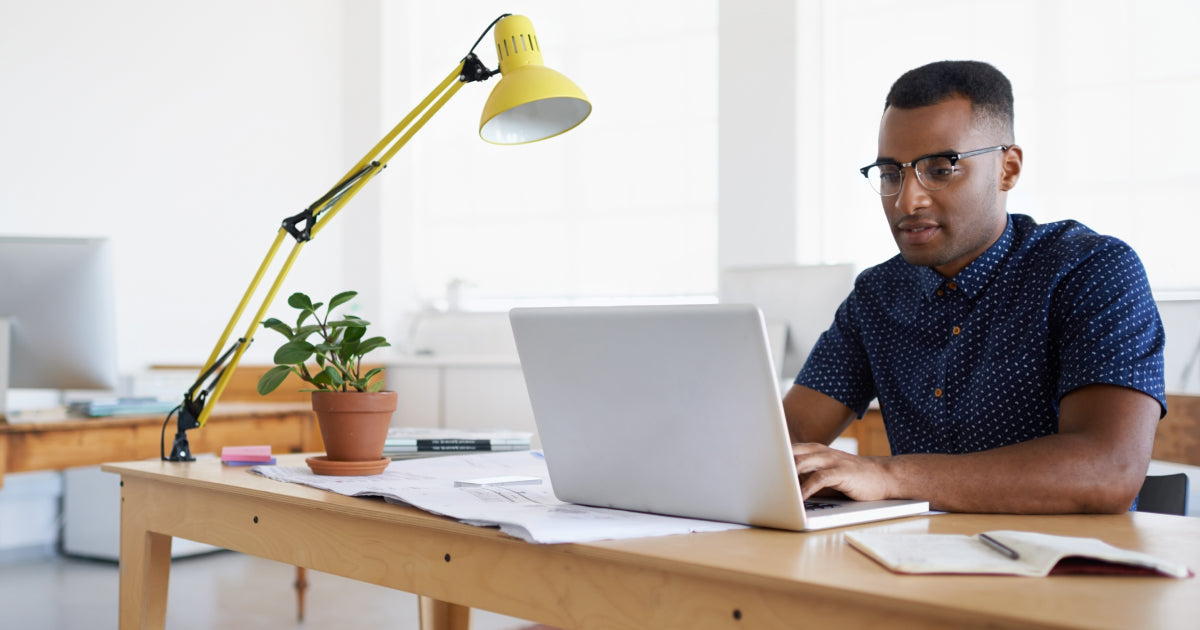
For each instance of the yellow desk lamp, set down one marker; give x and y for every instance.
(530, 103)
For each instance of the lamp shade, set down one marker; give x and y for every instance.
(531, 102)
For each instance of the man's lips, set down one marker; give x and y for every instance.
(916, 232)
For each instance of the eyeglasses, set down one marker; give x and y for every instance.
(934, 171)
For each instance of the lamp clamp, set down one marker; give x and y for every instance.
(193, 405)
(189, 414)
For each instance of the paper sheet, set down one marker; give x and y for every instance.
(529, 512)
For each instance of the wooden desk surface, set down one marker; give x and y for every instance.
(59, 444)
(751, 578)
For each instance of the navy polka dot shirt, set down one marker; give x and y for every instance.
(981, 360)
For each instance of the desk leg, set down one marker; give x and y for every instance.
(145, 564)
(301, 587)
(438, 615)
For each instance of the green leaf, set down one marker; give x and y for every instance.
(303, 332)
(341, 298)
(272, 379)
(293, 353)
(349, 349)
(355, 333)
(373, 343)
(278, 326)
(300, 301)
(376, 386)
(337, 349)
(335, 376)
(370, 375)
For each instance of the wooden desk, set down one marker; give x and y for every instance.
(59, 444)
(741, 579)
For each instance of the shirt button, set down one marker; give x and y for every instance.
(956, 330)
(953, 286)
(937, 393)
(941, 292)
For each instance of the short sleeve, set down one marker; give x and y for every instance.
(838, 365)
(1109, 328)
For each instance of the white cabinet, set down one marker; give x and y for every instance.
(464, 392)
(463, 374)
(92, 517)
(418, 392)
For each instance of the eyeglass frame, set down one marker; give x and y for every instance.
(950, 155)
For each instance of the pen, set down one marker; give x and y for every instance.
(999, 546)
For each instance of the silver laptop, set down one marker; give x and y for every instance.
(670, 410)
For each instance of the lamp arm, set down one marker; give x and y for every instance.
(195, 410)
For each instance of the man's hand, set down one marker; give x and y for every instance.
(823, 468)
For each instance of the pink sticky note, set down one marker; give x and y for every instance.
(246, 453)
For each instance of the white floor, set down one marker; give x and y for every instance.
(225, 590)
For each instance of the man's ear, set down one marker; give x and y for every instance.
(1010, 168)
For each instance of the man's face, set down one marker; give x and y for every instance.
(945, 229)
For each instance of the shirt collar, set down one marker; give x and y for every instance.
(975, 276)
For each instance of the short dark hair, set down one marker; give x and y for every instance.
(981, 83)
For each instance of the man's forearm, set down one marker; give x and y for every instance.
(1095, 463)
(1053, 474)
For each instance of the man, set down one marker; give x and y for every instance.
(1018, 366)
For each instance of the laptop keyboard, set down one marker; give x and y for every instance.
(809, 506)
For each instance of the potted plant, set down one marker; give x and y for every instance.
(352, 412)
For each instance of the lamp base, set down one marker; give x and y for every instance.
(181, 451)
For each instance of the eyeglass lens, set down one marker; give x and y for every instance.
(934, 173)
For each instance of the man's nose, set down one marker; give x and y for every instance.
(912, 195)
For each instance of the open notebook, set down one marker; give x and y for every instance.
(671, 410)
(1007, 552)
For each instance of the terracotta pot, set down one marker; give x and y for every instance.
(354, 425)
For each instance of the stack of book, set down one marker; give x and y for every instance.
(105, 407)
(407, 442)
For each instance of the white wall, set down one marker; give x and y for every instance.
(185, 131)
(623, 206)
(760, 149)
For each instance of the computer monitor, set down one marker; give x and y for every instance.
(1181, 357)
(797, 301)
(56, 295)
